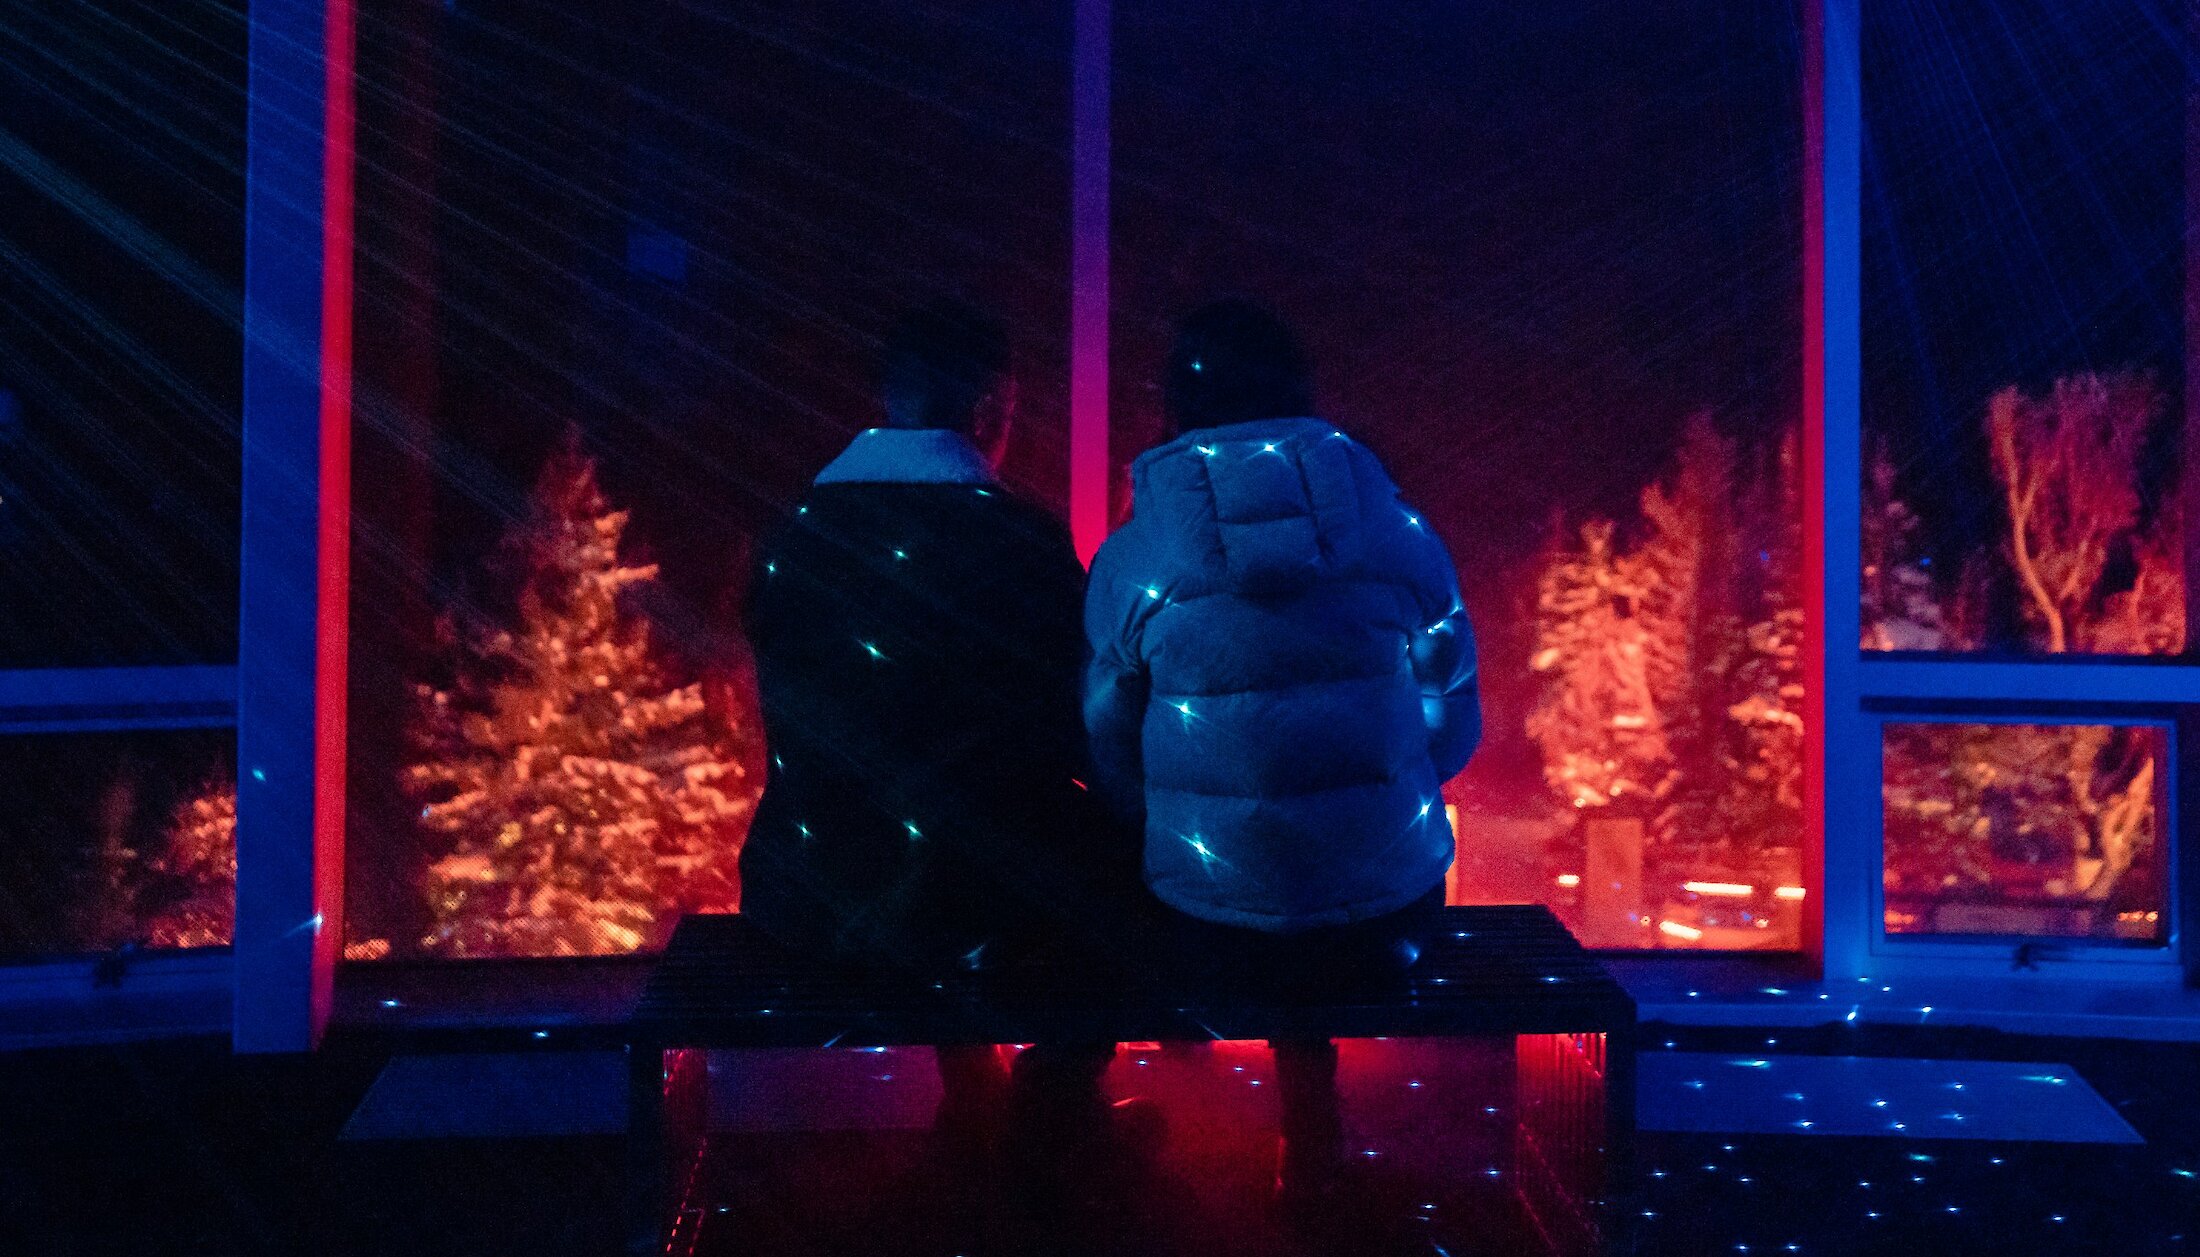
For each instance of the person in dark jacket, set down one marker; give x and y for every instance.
(916, 633)
(1282, 679)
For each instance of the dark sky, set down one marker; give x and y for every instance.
(2023, 220)
(121, 261)
(1524, 242)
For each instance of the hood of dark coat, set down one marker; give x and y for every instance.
(1267, 507)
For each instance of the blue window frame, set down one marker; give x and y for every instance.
(1866, 692)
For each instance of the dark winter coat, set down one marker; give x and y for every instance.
(915, 628)
(1282, 678)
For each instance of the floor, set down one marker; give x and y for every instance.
(178, 1147)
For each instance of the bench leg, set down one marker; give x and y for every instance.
(1621, 1191)
(667, 1121)
(1568, 1105)
(1619, 1099)
(646, 1171)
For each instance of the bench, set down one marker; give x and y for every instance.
(1488, 971)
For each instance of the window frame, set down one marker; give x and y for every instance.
(159, 992)
(2116, 959)
(287, 701)
(1866, 690)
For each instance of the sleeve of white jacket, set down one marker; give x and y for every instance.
(1116, 688)
(1444, 662)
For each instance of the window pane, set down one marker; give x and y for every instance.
(2024, 213)
(1547, 261)
(114, 838)
(627, 271)
(121, 268)
(2035, 830)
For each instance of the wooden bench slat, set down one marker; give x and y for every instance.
(723, 983)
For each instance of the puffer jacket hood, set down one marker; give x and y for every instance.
(1282, 678)
(1261, 508)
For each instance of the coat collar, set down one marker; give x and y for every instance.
(909, 456)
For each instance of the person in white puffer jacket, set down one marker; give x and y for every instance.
(1282, 679)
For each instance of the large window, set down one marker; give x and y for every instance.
(121, 243)
(2004, 770)
(1548, 264)
(621, 275)
(626, 283)
(112, 839)
(2028, 830)
(2024, 370)
(122, 144)
(622, 279)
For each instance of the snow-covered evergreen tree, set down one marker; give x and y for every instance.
(192, 881)
(1689, 570)
(103, 903)
(1902, 609)
(1761, 762)
(1595, 721)
(1686, 565)
(1673, 669)
(585, 798)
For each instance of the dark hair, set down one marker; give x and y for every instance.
(937, 363)
(1234, 361)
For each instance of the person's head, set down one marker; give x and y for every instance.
(1234, 361)
(945, 365)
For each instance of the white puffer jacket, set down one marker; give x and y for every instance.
(1282, 678)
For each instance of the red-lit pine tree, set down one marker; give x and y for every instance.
(1672, 668)
(1596, 720)
(1687, 570)
(1902, 608)
(193, 878)
(1687, 562)
(585, 798)
(1760, 751)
